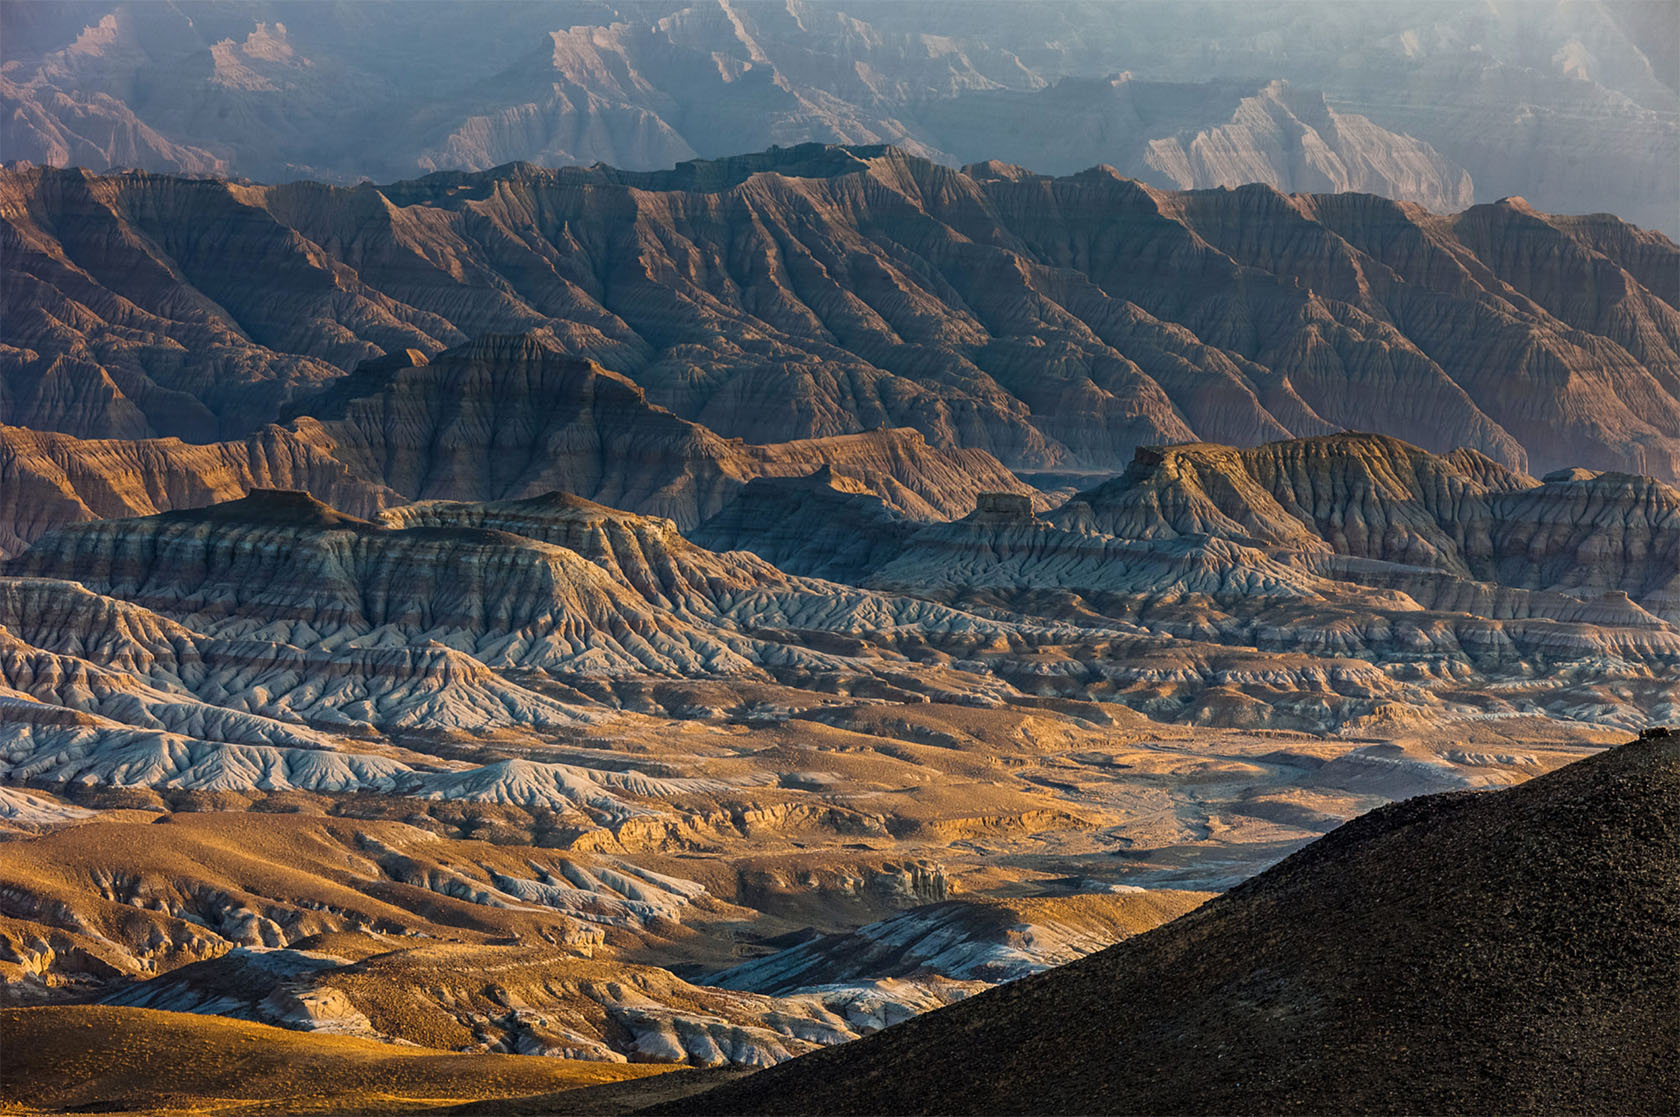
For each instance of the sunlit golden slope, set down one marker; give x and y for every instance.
(97, 1059)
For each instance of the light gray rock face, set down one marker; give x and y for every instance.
(238, 641)
(1172, 135)
(283, 568)
(1305, 584)
(1572, 105)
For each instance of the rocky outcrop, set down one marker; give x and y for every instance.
(50, 479)
(813, 292)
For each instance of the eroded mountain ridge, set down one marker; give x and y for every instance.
(819, 291)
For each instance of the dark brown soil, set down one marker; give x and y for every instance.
(1514, 951)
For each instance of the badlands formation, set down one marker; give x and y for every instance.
(698, 618)
(541, 776)
(811, 292)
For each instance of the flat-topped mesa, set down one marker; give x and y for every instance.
(1002, 508)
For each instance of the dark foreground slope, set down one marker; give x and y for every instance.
(1470, 952)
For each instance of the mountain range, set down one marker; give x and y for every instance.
(811, 292)
(1108, 562)
(1573, 105)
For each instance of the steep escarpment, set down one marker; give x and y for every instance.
(1289, 989)
(513, 416)
(812, 292)
(1365, 497)
(51, 479)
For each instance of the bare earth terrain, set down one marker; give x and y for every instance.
(547, 778)
(821, 629)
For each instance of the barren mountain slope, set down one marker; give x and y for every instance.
(513, 416)
(1475, 953)
(1571, 101)
(811, 291)
(51, 479)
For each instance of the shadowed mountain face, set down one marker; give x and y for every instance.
(1421, 100)
(502, 417)
(812, 292)
(1507, 952)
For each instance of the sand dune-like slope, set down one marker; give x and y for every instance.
(97, 1059)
